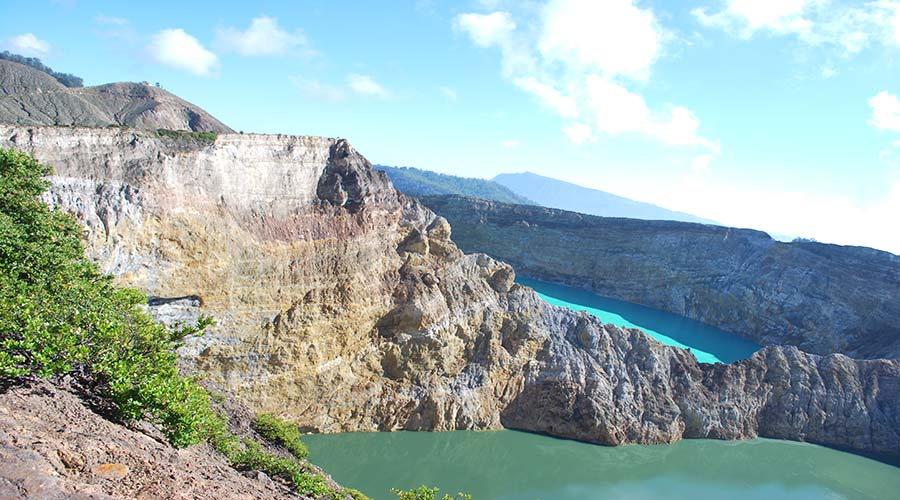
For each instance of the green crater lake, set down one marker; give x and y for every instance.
(707, 343)
(510, 465)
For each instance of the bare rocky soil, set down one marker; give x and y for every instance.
(53, 445)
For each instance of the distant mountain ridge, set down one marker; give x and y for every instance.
(417, 182)
(34, 97)
(555, 193)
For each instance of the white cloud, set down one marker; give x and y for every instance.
(365, 85)
(895, 21)
(574, 57)
(700, 164)
(316, 89)
(176, 48)
(579, 133)
(356, 84)
(487, 30)
(614, 37)
(746, 17)
(885, 112)
(849, 26)
(262, 38)
(510, 144)
(829, 72)
(449, 93)
(616, 110)
(118, 28)
(110, 20)
(498, 29)
(27, 44)
(563, 105)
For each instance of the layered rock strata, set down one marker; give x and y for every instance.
(345, 305)
(821, 298)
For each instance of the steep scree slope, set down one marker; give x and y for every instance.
(32, 97)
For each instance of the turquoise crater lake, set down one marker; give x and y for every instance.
(707, 343)
(510, 465)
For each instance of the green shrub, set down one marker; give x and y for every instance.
(426, 493)
(282, 433)
(58, 313)
(187, 135)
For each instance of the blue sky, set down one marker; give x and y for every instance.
(776, 114)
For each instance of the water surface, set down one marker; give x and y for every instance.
(510, 465)
(707, 343)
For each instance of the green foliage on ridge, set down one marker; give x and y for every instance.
(188, 135)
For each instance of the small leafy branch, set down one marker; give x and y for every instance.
(426, 493)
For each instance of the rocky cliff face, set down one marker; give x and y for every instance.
(345, 305)
(821, 298)
(31, 97)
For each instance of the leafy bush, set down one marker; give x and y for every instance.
(282, 433)
(188, 135)
(63, 78)
(426, 493)
(59, 314)
(251, 456)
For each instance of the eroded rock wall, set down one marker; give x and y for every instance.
(821, 298)
(345, 305)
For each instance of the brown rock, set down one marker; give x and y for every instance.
(110, 471)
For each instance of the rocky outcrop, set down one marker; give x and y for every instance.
(345, 305)
(31, 97)
(821, 298)
(55, 446)
(613, 386)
